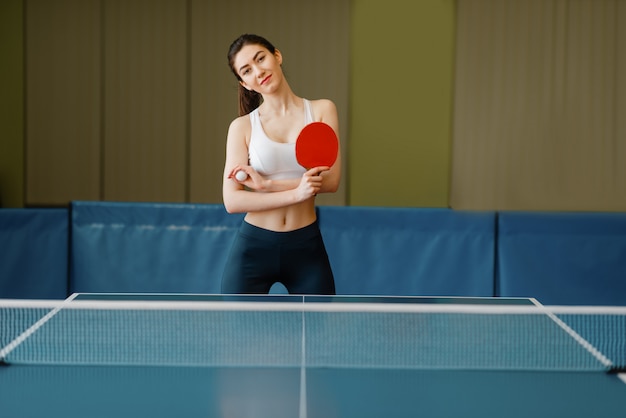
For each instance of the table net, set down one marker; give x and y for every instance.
(292, 331)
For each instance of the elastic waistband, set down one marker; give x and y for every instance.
(307, 232)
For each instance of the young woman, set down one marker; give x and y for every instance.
(279, 239)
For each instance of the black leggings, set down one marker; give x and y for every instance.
(260, 257)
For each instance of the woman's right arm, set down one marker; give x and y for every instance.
(259, 197)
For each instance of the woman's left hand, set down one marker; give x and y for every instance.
(311, 183)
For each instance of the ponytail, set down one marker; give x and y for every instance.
(248, 100)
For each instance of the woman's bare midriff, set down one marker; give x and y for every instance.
(284, 219)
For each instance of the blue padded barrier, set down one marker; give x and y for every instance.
(33, 253)
(144, 247)
(563, 258)
(130, 247)
(410, 251)
(559, 258)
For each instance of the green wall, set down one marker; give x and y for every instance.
(400, 112)
(11, 104)
(401, 102)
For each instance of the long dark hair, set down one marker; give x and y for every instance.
(248, 100)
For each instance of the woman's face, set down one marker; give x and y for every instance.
(258, 68)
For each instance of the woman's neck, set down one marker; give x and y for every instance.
(280, 104)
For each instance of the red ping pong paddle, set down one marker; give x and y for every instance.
(317, 145)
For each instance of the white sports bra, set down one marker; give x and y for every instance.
(274, 160)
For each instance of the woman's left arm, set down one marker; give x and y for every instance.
(326, 111)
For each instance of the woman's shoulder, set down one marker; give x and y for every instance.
(323, 107)
(322, 103)
(240, 128)
(241, 122)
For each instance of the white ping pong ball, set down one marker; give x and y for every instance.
(241, 175)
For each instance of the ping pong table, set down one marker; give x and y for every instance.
(102, 355)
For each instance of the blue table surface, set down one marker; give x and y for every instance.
(112, 391)
(95, 391)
